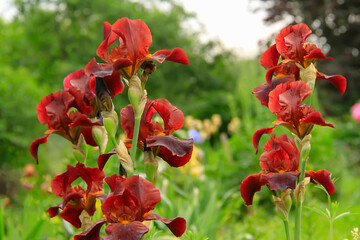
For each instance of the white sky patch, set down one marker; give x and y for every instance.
(234, 22)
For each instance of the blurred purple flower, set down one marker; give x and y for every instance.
(355, 112)
(195, 135)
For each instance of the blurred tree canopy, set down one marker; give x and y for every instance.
(336, 25)
(48, 39)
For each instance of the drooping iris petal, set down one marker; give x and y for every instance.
(103, 158)
(132, 231)
(176, 55)
(316, 53)
(323, 177)
(34, 147)
(176, 225)
(280, 181)
(174, 151)
(249, 186)
(337, 80)
(92, 233)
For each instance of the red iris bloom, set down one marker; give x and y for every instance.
(292, 47)
(66, 114)
(285, 101)
(280, 165)
(134, 38)
(81, 82)
(76, 199)
(157, 137)
(128, 205)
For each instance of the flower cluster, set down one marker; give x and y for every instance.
(286, 92)
(84, 114)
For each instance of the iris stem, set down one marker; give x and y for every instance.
(298, 206)
(287, 231)
(135, 138)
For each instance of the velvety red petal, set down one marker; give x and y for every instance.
(109, 38)
(262, 92)
(315, 118)
(176, 225)
(289, 42)
(176, 55)
(280, 181)
(132, 231)
(127, 120)
(89, 139)
(270, 57)
(124, 206)
(92, 233)
(172, 116)
(270, 73)
(174, 151)
(258, 134)
(53, 211)
(71, 214)
(98, 70)
(114, 84)
(249, 186)
(337, 80)
(34, 147)
(323, 177)
(71, 76)
(316, 53)
(83, 121)
(136, 37)
(103, 158)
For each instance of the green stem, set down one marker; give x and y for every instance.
(298, 206)
(135, 138)
(287, 231)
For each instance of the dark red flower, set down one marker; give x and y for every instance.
(76, 199)
(292, 46)
(66, 113)
(285, 101)
(280, 165)
(129, 204)
(157, 137)
(134, 38)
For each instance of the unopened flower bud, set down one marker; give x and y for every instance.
(110, 120)
(285, 196)
(280, 208)
(123, 155)
(305, 145)
(80, 150)
(100, 136)
(308, 75)
(135, 91)
(151, 165)
(300, 189)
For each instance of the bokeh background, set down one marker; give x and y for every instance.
(42, 41)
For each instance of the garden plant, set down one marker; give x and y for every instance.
(119, 160)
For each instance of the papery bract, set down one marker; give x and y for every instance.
(76, 199)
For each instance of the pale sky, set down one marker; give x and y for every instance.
(233, 22)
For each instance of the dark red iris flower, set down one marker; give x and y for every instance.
(291, 45)
(285, 101)
(134, 38)
(66, 114)
(85, 84)
(280, 165)
(76, 199)
(153, 135)
(126, 208)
